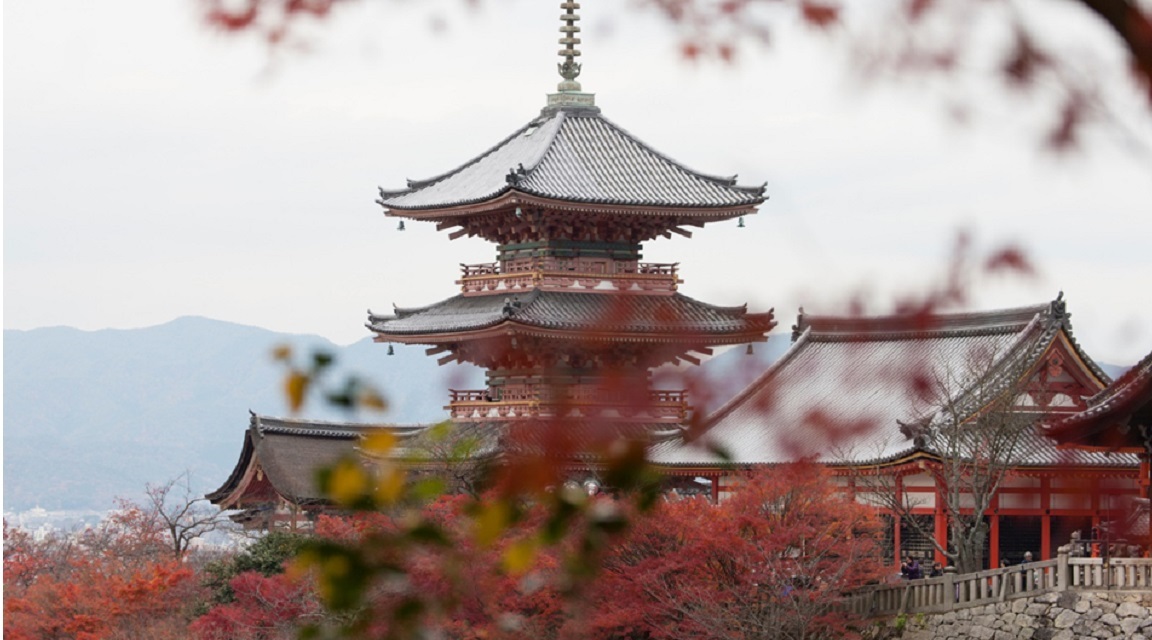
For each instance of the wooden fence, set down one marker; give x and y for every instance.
(953, 591)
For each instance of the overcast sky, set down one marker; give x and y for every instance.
(154, 169)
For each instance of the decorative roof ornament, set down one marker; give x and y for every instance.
(570, 94)
(569, 69)
(1059, 309)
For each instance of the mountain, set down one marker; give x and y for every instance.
(91, 415)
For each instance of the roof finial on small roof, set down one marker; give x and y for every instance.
(569, 94)
(569, 69)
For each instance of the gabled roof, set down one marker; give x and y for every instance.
(672, 316)
(573, 155)
(839, 394)
(289, 452)
(1114, 416)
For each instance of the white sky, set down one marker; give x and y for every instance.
(154, 169)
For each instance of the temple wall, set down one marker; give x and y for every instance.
(1050, 616)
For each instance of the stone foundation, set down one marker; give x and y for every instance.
(1051, 616)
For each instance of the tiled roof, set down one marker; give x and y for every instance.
(842, 390)
(1116, 404)
(675, 315)
(574, 156)
(291, 451)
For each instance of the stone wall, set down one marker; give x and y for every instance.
(1051, 616)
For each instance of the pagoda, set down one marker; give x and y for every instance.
(568, 321)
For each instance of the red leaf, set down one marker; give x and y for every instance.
(820, 14)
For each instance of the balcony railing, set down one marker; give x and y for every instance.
(568, 274)
(537, 401)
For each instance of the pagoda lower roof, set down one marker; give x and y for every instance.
(669, 317)
(576, 156)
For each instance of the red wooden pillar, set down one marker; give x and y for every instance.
(994, 541)
(1145, 476)
(1045, 518)
(715, 489)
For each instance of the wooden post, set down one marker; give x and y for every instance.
(1063, 574)
(715, 489)
(950, 595)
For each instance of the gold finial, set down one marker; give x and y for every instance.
(569, 69)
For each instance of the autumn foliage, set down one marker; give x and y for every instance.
(772, 561)
(112, 581)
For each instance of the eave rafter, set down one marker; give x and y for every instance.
(519, 217)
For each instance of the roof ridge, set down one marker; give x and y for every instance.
(718, 307)
(1119, 386)
(547, 150)
(267, 421)
(416, 185)
(901, 325)
(720, 180)
(760, 381)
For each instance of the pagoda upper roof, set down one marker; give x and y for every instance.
(574, 155)
(672, 316)
(840, 394)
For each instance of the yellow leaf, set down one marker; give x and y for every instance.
(294, 387)
(491, 521)
(336, 567)
(298, 567)
(519, 556)
(390, 485)
(379, 441)
(372, 399)
(282, 353)
(348, 482)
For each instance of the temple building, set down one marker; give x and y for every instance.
(879, 400)
(569, 323)
(569, 320)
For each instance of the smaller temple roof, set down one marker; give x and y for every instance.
(281, 456)
(289, 452)
(674, 316)
(1114, 417)
(574, 155)
(842, 390)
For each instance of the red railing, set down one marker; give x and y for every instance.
(542, 401)
(568, 273)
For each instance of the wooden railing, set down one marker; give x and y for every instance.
(953, 591)
(568, 273)
(537, 401)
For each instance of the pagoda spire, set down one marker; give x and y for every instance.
(569, 94)
(569, 69)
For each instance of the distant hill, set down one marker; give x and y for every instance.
(92, 415)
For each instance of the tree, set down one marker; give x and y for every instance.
(266, 556)
(175, 513)
(771, 562)
(970, 423)
(102, 583)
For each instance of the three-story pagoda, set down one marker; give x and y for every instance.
(568, 320)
